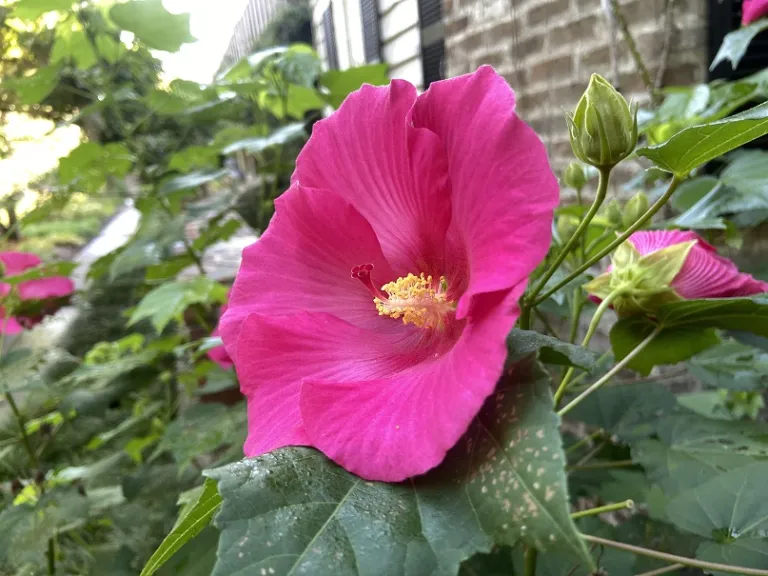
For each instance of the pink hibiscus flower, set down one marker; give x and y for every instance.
(47, 290)
(219, 353)
(753, 10)
(370, 319)
(705, 274)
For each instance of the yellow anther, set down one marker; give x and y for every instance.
(417, 300)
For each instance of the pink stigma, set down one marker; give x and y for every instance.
(363, 273)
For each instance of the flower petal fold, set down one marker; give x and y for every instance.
(42, 288)
(278, 353)
(14, 263)
(369, 154)
(402, 425)
(503, 191)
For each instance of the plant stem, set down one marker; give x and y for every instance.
(708, 566)
(611, 373)
(578, 306)
(593, 324)
(603, 509)
(630, 42)
(612, 246)
(584, 441)
(602, 465)
(191, 252)
(665, 570)
(602, 189)
(51, 557)
(530, 557)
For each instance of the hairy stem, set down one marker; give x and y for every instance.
(612, 246)
(610, 374)
(593, 325)
(708, 566)
(602, 189)
(603, 509)
(531, 555)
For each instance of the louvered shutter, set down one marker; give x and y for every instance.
(724, 17)
(432, 40)
(330, 39)
(371, 34)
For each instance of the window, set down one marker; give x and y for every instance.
(432, 40)
(332, 56)
(369, 12)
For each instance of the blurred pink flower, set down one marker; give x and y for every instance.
(48, 290)
(705, 273)
(219, 354)
(753, 10)
(370, 319)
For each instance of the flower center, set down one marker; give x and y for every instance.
(418, 300)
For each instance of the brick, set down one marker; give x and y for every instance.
(546, 10)
(575, 31)
(494, 59)
(552, 68)
(456, 26)
(473, 42)
(502, 32)
(529, 46)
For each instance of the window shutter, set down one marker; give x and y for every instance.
(330, 39)
(432, 40)
(724, 17)
(371, 34)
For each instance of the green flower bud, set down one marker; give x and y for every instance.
(613, 213)
(566, 226)
(635, 208)
(603, 128)
(643, 282)
(574, 176)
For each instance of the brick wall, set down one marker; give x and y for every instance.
(547, 49)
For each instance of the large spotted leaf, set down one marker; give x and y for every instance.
(295, 512)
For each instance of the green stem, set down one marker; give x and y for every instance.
(584, 441)
(51, 557)
(611, 373)
(12, 403)
(612, 246)
(603, 509)
(665, 570)
(602, 189)
(693, 563)
(530, 557)
(602, 465)
(593, 325)
(578, 306)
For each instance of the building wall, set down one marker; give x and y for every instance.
(547, 49)
(399, 35)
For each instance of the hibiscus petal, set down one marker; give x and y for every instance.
(278, 352)
(9, 326)
(42, 288)
(16, 262)
(503, 191)
(303, 263)
(753, 10)
(402, 425)
(393, 174)
(705, 273)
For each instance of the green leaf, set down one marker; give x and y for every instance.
(194, 157)
(153, 24)
(73, 44)
(729, 506)
(293, 510)
(630, 411)
(42, 271)
(33, 89)
(697, 145)
(521, 343)
(189, 526)
(90, 165)
(191, 181)
(341, 82)
(204, 428)
(671, 346)
(33, 9)
(746, 314)
(741, 552)
(735, 43)
(731, 365)
(216, 232)
(288, 133)
(170, 300)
